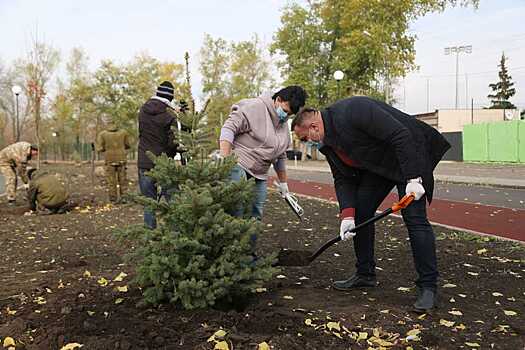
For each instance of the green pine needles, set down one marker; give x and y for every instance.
(199, 254)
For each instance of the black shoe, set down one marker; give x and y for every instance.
(426, 301)
(356, 281)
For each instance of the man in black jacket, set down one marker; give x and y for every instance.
(156, 119)
(372, 147)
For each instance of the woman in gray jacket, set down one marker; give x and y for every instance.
(256, 131)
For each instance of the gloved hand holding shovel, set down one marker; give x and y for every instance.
(347, 230)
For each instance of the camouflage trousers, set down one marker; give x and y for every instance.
(10, 181)
(116, 175)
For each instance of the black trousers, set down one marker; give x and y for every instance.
(371, 190)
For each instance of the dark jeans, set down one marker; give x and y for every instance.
(148, 188)
(371, 191)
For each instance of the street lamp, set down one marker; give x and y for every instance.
(55, 135)
(17, 90)
(457, 50)
(338, 76)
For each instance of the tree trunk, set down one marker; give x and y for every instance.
(37, 129)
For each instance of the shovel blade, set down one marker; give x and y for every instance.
(294, 258)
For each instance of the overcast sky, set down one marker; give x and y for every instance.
(166, 29)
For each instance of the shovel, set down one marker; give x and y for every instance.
(304, 258)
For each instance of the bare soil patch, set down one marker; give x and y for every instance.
(59, 285)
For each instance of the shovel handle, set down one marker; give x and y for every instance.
(402, 204)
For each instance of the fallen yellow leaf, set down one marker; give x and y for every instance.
(472, 345)
(446, 323)
(120, 277)
(460, 327)
(119, 300)
(456, 313)
(91, 313)
(263, 346)
(382, 342)
(414, 332)
(222, 345)
(40, 300)
(496, 294)
(102, 281)
(481, 251)
(289, 297)
(122, 289)
(217, 335)
(87, 273)
(510, 312)
(333, 325)
(449, 285)
(362, 336)
(260, 290)
(308, 322)
(404, 289)
(8, 341)
(10, 312)
(71, 346)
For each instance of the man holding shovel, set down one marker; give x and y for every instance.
(372, 147)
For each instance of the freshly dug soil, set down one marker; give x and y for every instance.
(288, 257)
(59, 285)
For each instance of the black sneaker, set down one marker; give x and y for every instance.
(356, 281)
(426, 301)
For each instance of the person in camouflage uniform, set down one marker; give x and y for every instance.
(13, 160)
(46, 192)
(114, 142)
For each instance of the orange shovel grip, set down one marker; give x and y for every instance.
(403, 202)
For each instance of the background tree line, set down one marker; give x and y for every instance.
(369, 41)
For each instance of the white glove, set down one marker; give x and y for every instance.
(25, 187)
(346, 225)
(283, 188)
(415, 186)
(217, 158)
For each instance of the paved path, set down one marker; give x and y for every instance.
(500, 212)
(474, 194)
(500, 175)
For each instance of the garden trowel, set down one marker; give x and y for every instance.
(303, 258)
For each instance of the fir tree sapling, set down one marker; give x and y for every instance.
(198, 254)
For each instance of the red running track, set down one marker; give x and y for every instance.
(484, 219)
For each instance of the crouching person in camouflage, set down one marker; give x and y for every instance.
(13, 160)
(47, 192)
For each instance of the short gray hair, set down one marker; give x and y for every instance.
(302, 116)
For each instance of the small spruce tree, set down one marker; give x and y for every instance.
(502, 90)
(198, 254)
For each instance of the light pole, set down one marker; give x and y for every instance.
(17, 90)
(338, 76)
(55, 134)
(457, 50)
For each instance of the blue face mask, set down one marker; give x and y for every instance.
(283, 116)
